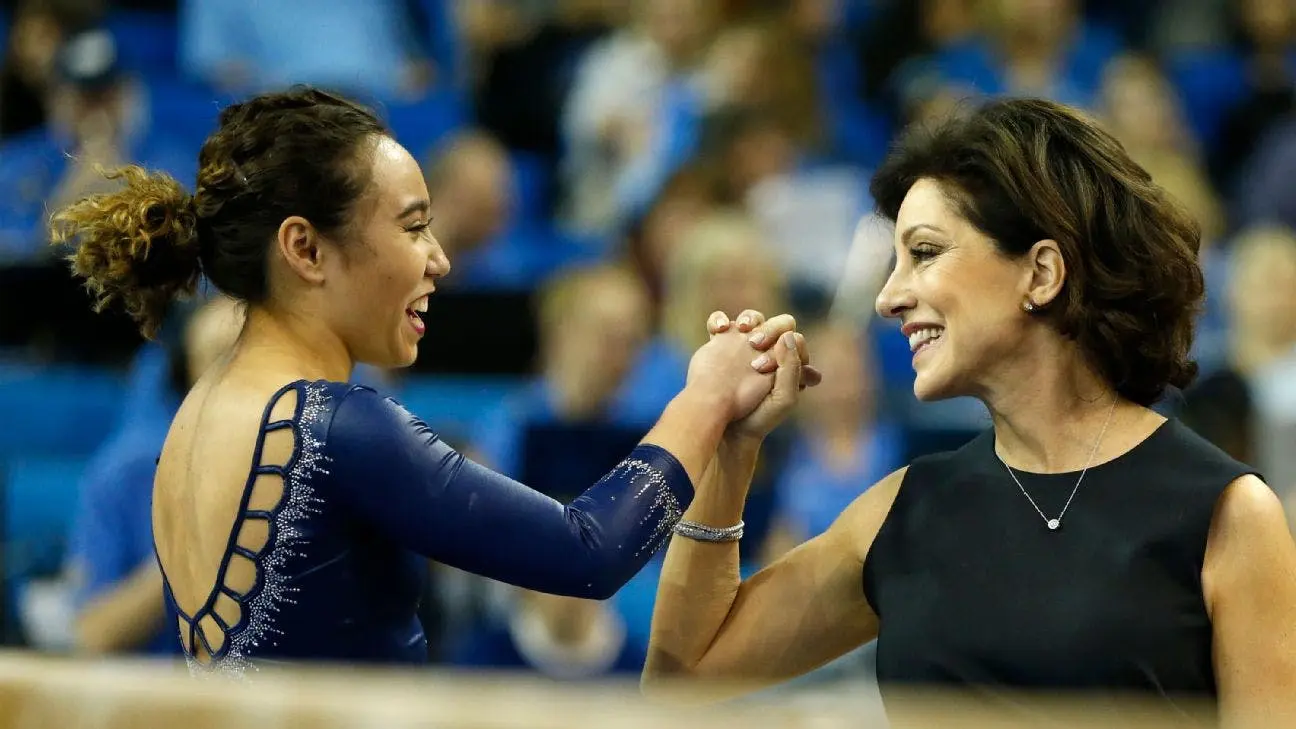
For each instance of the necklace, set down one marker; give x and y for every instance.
(1054, 524)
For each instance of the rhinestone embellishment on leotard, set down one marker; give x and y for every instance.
(666, 507)
(299, 504)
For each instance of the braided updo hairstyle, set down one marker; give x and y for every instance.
(300, 152)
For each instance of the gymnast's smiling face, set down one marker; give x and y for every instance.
(381, 284)
(958, 297)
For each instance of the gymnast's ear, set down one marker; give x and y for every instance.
(301, 247)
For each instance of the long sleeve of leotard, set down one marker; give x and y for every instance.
(390, 470)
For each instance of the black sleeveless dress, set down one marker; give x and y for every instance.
(974, 591)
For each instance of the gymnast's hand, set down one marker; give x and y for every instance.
(791, 365)
(726, 370)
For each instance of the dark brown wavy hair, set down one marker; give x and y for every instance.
(1025, 170)
(299, 152)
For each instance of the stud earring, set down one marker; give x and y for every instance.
(1029, 307)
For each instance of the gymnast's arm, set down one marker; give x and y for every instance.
(394, 472)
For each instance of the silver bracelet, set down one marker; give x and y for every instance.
(704, 533)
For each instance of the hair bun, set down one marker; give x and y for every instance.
(168, 249)
(137, 246)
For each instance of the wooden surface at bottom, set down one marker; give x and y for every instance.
(41, 692)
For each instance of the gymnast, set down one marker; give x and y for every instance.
(293, 513)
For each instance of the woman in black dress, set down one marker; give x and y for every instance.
(1084, 542)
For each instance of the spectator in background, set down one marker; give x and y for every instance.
(522, 58)
(477, 216)
(557, 637)
(690, 194)
(1141, 108)
(760, 128)
(1041, 48)
(117, 585)
(1262, 299)
(472, 191)
(98, 119)
(840, 446)
(371, 48)
(762, 66)
(791, 197)
(768, 128)
(751, 148)
(1266, 33)
(619, 145)
(593, 323)
(822, 32)
(721, 263)
(37, 31)
(1236, 91)
(900, 31)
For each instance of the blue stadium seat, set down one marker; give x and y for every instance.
(533, 180)
(57, 411)
(39, 500)
(146, 42)
(421, 125)
(184, 110)
(453, 405)
(525, 256)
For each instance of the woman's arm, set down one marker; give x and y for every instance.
(802, 611)
(1249, 583)
(793, 616)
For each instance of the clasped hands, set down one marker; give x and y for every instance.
(755, 367)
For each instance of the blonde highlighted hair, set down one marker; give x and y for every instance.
(721, 238)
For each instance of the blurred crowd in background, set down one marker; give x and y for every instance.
(604, 173)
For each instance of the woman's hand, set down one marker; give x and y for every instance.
(784, 353)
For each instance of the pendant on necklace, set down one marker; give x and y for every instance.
(1053, 524)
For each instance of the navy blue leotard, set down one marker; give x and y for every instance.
(369, 494)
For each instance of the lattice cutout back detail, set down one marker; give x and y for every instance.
(251, 584)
